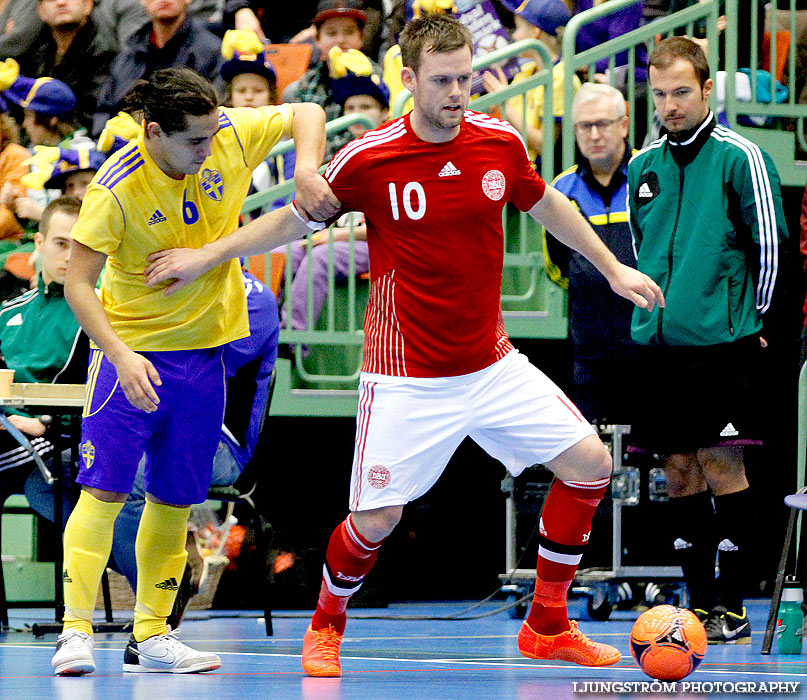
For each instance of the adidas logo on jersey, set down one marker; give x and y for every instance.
(449, 169)
(729, 431)
(156, 218)
(15, 320)
(645, 191)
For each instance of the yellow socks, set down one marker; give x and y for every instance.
(161, 555)
(87, 543)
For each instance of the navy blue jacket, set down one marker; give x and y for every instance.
(599, 320)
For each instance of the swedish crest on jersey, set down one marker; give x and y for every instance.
(212, 184)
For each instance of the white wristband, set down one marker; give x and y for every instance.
(313, 225)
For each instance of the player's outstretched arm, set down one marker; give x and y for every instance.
(312, 191)
(183, 265)
(564, 222)
(135, 373)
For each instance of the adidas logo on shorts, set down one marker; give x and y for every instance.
(729, 431)
(156, 218)
(449, 169)
(170, 584)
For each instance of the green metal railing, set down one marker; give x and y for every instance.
(780, 143)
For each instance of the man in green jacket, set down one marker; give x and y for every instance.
(39, 336)
(706, 215)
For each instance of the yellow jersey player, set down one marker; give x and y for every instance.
(156, 378)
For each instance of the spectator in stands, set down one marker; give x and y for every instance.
(120, 19)
(48, 106)
(290, 23)
(12, 170)
(248, 363)
(70, 47)
(39, 335)
(338, 23)
(19, 26)
(68, 170)
(609, 27)
(248, 74)
(535, 19)
(250, 81)
(599, 322)
(169, 39)
(359, 91)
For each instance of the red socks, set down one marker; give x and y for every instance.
(564, 531)
(348, 560)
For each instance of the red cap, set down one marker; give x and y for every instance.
(351, 9)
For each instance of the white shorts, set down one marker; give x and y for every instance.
(408, 428)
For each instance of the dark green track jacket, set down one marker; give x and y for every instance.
(707, 221)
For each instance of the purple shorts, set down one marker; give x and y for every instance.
(179, 438)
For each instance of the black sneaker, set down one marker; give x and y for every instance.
(724, 627)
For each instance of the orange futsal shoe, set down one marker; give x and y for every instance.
(571, 645)
(321, 653)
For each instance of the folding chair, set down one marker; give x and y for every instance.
(242, 492)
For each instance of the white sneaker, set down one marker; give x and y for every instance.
(73, 655)
(164, 653)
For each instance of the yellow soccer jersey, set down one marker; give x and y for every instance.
(133, 209)
(535, 97)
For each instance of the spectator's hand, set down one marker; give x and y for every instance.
(27, 208)
(323, 237)
(762, 342)
(9, 192)
(722, 23)
(494, 81)
(245, 19)
(309, 34)
(314, 195)
(137, 377)
(30, 426)
(183, 265)
(636, 287)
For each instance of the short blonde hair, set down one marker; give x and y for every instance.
(589, 92)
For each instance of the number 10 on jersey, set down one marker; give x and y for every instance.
(410, 188)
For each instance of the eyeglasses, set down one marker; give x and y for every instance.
(601, 124)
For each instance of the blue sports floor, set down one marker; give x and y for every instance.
(381, 659)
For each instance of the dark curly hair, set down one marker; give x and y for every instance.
(170, 95)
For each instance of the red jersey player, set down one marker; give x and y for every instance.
(438, 365)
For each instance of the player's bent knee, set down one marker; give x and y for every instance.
(588, 460)
(378, 523)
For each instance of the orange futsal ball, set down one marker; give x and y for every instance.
(667, 642)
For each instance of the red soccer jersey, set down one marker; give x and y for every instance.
(434, 232)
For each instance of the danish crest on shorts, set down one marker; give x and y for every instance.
(212, 184)
(379, 476)
(87, 453)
